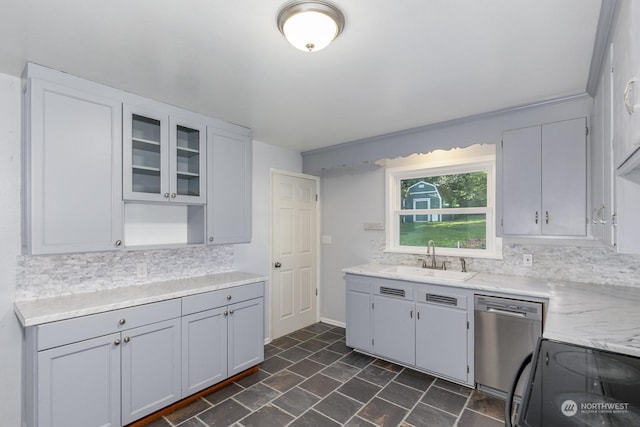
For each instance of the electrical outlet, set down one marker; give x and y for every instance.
(527, 260)
(141, 269)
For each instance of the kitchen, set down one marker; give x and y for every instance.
(578, 260)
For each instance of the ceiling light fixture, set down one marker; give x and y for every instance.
(310, 25)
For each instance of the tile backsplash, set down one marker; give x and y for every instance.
(54, 275)
(554, 262)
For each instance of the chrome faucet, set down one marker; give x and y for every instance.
(432, 245)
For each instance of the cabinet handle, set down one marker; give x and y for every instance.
(230, 311)
(546, 217)
(173, 195)
(536, 217)
(118, 243)
(411, 314)
(116, 342)
(211, 239)
(166, 195)
(228, 297)
(127, 339)
(122, 321)
(418, 315)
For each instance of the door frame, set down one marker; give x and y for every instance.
(272, 172)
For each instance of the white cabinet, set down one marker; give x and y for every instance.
(103, 369)
(420, 325)
(72, 191)
(394, 328)
(228, 186)
(222, 335)
(544, 179)
(442, 332)
(151, 368)
(79, 384)
(359, 300)
(164, 157)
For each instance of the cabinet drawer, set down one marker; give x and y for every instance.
(213, 299)
(443, 297)
(81, 328)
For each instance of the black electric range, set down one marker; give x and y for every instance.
(571, 385)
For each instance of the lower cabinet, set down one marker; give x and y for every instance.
(222, 335)
(423, 326)
(113, 368)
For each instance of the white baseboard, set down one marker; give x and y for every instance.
(333, 322)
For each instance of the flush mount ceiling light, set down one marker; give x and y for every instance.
(310, 25)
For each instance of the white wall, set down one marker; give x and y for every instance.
(255, 257)
(10, 331)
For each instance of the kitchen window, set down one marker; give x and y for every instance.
(450, 202)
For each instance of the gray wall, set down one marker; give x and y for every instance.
(345, 208)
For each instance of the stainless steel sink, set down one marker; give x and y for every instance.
(426, 272)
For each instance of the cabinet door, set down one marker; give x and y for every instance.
(441, 340)
(358, 332)
(521, 175)
(394, 329)
(187, 161)
(229, 188)
(145, 156)
(79, 384)
(73, 191)
(246, 335)
(564, 172)
(204, 349)
(151, 368)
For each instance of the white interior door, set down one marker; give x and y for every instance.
(294, 252)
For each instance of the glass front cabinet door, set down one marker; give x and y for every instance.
(164, 157)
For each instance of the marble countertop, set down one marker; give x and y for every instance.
(592, 315)
(35, 312)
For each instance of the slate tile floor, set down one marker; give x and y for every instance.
(311, 378)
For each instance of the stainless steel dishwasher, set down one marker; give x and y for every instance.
(506, 331)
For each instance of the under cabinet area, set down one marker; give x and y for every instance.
(426, 327)
(125, 364)
(544, 180)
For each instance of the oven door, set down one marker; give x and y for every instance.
(570, 385)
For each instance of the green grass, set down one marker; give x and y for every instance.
(446, 234)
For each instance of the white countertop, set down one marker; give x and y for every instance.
(35, 312)
(598, 316)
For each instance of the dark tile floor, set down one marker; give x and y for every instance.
(311, 378)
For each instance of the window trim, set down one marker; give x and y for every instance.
(393, 208)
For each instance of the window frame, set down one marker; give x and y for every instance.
(393, 177)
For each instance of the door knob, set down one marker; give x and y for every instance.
(277, 264)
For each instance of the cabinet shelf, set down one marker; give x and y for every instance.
(187, 152)
(146, 170)
(188, 175)
(146, 144)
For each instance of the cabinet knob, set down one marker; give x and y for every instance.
(122, 321)
(127, 339)
(211, 239)
(116, 342)
(230, 311)
(225, 313)
(228, 297)
(118, 243)
(166, 195)
(173, 195)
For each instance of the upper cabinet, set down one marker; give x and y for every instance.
(229, 187)
(72, 190)
(164, 157)
(544, 180)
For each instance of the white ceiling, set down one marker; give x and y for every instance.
(397, 65)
